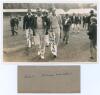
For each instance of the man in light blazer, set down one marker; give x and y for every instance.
(55, 27)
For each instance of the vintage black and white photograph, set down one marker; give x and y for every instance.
(49, 32)
(48, 79)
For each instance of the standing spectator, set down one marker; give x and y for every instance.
(17, 22)
(13, 25)
(73, 20)
(55, 26)
(93, 37)
(77, 22)
(20, 22)
(85, 22)
(66, 28)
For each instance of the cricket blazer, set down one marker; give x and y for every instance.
(93, 32)
(28, 21)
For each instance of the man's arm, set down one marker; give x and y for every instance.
(50, 23)
(60, 21)
(10, 22)
(24, 22)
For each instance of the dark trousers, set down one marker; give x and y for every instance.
(17, 26)
(93, 48)
(33, 30)
(13, 31)
(66, 36)
(83, 24)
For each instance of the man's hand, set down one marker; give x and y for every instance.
(61, 27)
(51, 30)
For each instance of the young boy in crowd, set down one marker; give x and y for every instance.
(13, 25)
(93, 37)
(66, 28)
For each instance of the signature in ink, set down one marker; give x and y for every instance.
(46, 75)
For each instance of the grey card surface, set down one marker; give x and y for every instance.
(48, 79)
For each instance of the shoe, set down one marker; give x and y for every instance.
(47, 45)
(16, 33)
(33, 43)
(42, 57)
(67, 42)
(63, 40)
(29, 45)
(54, 56)
(39, 53)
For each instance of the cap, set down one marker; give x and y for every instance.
(38, 9)
(92, 11)
(66, 15)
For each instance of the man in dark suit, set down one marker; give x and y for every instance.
(74, 20)
(17, 22)
(85, 17)
(78, 22)
(28, 21)
(28, 26)
(13, 25)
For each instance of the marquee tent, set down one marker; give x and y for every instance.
(80, 11)
(60, 11)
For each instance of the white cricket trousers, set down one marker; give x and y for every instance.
(29, 34)
(54, 36)
(40, 33)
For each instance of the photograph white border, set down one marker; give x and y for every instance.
(56, 1)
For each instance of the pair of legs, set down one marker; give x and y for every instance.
(17, 25)
(29, 34)
(47, 42)
(40, 33)
(54, 40)
(75, 27)
(66, 36)
(93, 49)
(13, 31)
(85, 25)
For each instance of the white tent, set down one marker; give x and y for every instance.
(80, 11)
(60, 11)
(44, 10)
(20, 10)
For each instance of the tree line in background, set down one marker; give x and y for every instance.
(65, 6)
